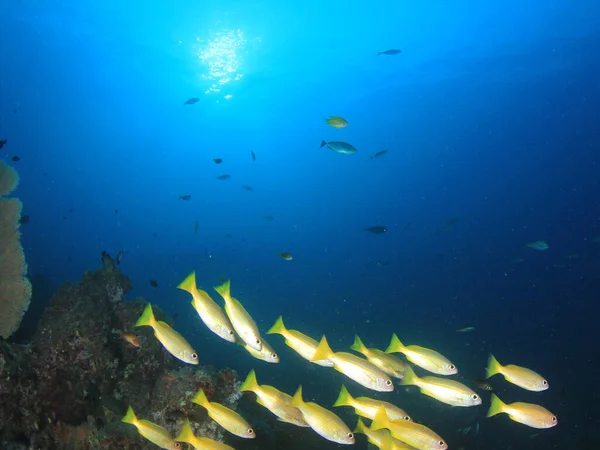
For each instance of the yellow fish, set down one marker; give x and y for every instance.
(266, 353)
(336, 122)
(154, 433)
(423, 357)
(382, 439)
(302, 344)
(322, 421)
(210, 313)
(201, 443)
(171, 340)
(417, 435)
(520, 376)
(242, 321)
(274, 400)
(227, 418)
(442, 389)
(390, 364)
(368, 407)
(355, 368)
(534, 416)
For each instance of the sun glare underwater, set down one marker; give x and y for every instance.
(263, 225)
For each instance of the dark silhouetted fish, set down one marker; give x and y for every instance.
(378, 154)
(392, 51)
(24, 219)
(376, 229)
(185, 197)
(191, 101)
(153, 283)
(218, 160)
(253, 155)
(16, 158)
(196, 225)
(116, 212)
(339, 147)
(286, 255)
(483, 384)
(225, 176)
(119, 257)
(2, 143)
(248, 188)
(268, 217)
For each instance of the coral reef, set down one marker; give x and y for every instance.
(70, 386)
(15, 288)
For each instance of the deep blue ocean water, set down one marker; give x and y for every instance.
(491, 119)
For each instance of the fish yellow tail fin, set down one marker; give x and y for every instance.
(323, 351)
(360, 427)
(224, 290)
(358, 345)
(496, 406)
(129, 416)
(387, 443)
(189, 284)
(147, 318)
(186, 434)
(410, 377)
(278, 327)
(251, 383)
(297, 400)
(381, 420)
(344, 399)
(200, 399)
(395, 345)
(493, 367)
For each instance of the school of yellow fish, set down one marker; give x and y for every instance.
(391, 428)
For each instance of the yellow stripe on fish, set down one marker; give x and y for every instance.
(381, 438)
(274, 400)
(322, 421)
(355, 368)
(390, 364)
(368, 407)
(423, 357)
(534, 416)
(243, 323)
(442, 389)
(302, 344)
(227, 418)
(151, 431)
(171, 340)
(519, 376)
(210, 313)
(201, 443)
(417, 435)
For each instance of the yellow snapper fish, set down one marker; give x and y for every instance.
(227, 418)
(171, 340)
(355, 368)
(154, 433)
(210, 313)
(242, 321)
(201, 443)
(390, 364)
(423, 357)
(336, 121)
(302, 344)
(442, 389)
(266, 353)
(417, 435)
(368, 407)
(274, 400)
(322, 421)
(534, 416)
(382, 439)
(520, 376)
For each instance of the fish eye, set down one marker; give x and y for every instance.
(452, 367)
(475, 397)
(274, 355)
(194, 356)
(231, 332)
(553, 418)
(544, 382)
(407, 418)
(441, 443)
(388, 382)
(350, 436)
(258, 341)
(250, 431)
